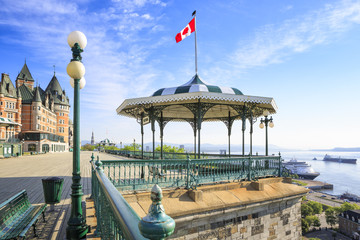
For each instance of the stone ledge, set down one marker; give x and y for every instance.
(180, 202)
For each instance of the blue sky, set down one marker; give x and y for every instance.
(304, 54)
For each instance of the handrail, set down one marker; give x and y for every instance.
(107, 196)
(170, 155)
(141, 174)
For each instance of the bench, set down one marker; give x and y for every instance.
(154, 171)
(17, 215)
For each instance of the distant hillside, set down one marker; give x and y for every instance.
(338, 149)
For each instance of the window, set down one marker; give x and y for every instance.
(31, 147)
(39, 108)
(37, 126)
(7, 105)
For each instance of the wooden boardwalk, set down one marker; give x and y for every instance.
(26, 172)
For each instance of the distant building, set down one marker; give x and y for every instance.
(147, 149)
(71, 133)
(45, 114)
(10, 118)
(182, 146)
(349, 223)
(36, 118)
(92, 139)
(106, 143)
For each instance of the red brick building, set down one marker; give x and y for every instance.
(37, 118)
(10, 118)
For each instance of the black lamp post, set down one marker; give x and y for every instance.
(77, 227)
(267, 121)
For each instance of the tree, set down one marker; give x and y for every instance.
(316, 207)
(331, 216)
(348, 206)
(131, 147)
(306, 210)
(316, 222)
(313, 221)
(304, 226)
(88, 147)
(111, 148)
(169, 149)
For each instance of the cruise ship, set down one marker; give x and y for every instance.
(339, 159)
(302, 169)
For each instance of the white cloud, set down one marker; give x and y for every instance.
(271, 44)
(146, 16)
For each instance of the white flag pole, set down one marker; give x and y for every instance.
(196, 71)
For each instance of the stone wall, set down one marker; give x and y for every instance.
(275, 219)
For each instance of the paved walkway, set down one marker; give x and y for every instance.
(26, 172)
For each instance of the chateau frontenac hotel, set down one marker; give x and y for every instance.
(32, 119)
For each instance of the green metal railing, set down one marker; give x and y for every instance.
(115, 218)
(166, 155)
(143, 174)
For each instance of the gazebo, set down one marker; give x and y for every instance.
(196, 102)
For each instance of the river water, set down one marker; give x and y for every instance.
(344, 176)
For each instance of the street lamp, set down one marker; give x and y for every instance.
(77, 227)
(267, 121)
(134, 147)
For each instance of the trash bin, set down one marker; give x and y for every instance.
(52, 189)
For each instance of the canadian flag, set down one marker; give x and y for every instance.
(186, 31)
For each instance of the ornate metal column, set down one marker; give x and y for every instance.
(229, 122)
(199, 121)
(152, 122)
(229, 132)
(194, 128)
(161, 124)
(142, 135)
(252, 120)
(243, 119)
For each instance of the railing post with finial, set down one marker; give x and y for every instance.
(98, 198)
(249, 168)
(188, 171)
(92, 176)
(156, 225)
(279, 164)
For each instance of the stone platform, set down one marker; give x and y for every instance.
(266, 209)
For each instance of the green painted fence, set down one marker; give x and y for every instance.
(115, 218)
(143, 174)
(166, 155)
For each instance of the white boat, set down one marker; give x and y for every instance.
(302, 169)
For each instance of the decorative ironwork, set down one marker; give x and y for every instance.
(156, 224)
(175, 172)
(76, 52)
